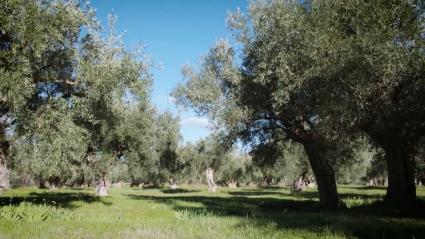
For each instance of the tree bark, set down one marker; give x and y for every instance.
(4, 154)
(298, 185)
(4, 177)
(210, 179)
(399, 156)
(323, 172)
(102, 187)
(401, 175)
(173, 183)
(266, 181)
(232, 184)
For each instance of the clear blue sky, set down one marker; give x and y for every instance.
(175, 32)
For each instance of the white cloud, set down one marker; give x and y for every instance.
(171, 100)
(195, 121)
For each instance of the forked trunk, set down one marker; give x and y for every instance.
(323, 173)
(232, 184)
(266, 181)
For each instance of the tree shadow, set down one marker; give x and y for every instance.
(178, 190)
(342, 195)
(57, 199)
(370, 221)
(301, 195)
(256, 192)
(236, 205)
(378, 205)
(412, 210)
(366, 188)
(272, 187)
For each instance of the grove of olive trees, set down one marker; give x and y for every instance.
(315, 92)
(308, 121)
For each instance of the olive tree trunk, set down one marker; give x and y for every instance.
(232, 184)
(399, 156)
(173, 184)
(401, 175)
(4, 153)
(4, 177)
(323, 172)
(102, 187)
(210, 179)
(299, 184)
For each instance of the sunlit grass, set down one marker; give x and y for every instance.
(192, 212)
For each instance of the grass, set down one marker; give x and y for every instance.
(192, 212)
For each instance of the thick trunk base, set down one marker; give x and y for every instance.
(102, 188)
(173, 184)
(299, 185)
(4, 172)
(212, 187)
(399, 156)
(323, 173)
(4, 178)
(401, 178)
(232, 184)
(101, 191)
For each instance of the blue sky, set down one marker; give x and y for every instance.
(175, 33)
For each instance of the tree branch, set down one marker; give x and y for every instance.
(68, 82)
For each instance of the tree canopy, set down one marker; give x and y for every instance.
(320, 73)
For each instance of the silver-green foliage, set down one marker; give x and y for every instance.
(54, 147)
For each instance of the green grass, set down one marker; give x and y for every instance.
(192, 212)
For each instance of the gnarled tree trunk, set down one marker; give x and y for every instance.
(102, 187)
(323, 173)
(232, 184)
(4, 153)
(399, 156)
(173, 184)
(210, 179)
(299, 185)
(401, 175)
(4, 177)
(266, 181)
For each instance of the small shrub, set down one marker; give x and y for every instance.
(31, 212)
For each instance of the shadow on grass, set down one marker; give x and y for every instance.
(367, 221)
(178, 190)
(366, 188)
(59, 199)
(343, 195)
(300, 195)
(271, 187)
(257, 192)
(235, 206)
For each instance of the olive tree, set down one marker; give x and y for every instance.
(37, 60)
(369, 68)
(263, 100)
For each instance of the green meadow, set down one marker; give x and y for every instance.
(193, 212)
